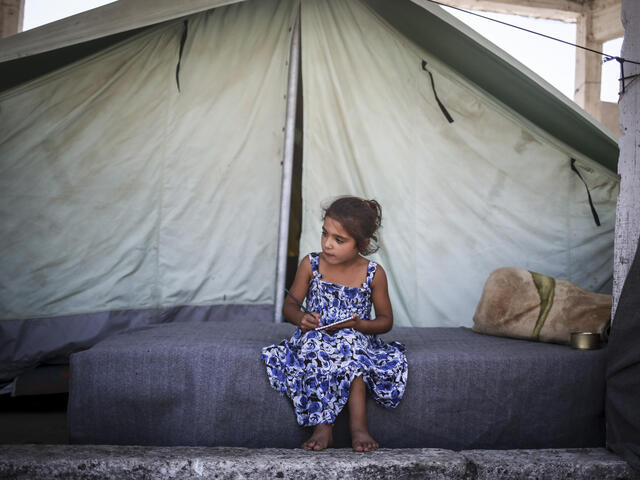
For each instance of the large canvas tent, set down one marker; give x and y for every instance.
(141, 151)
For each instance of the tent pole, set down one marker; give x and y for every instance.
(287, 170)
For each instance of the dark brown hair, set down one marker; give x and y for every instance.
(360, 218)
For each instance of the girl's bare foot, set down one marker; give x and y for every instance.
(321, 438)
(362, 441)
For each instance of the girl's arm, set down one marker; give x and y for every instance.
(290, 309)
(382, 304)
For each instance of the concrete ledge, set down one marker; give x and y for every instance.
(135, 462)
(584, 463)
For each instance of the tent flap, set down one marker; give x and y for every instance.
(119, 192)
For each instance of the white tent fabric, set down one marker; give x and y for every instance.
(117, 191)
(459, 199)
(124, 201)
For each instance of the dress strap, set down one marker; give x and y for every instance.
(371, 271)
(314, 259)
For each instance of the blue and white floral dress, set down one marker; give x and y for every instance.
(315, 369)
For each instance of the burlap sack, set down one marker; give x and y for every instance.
(521, 304)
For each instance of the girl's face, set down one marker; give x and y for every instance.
(337, 245)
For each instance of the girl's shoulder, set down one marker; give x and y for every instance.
(309, 265)
(374, 264)
(305, 268)
(372, 268)
(371, 264)
(312, 259)
(376, 274)
(305, 263)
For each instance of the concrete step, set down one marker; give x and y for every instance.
(71, 462)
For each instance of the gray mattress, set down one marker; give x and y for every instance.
(205, 384)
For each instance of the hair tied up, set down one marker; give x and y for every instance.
(360, 218)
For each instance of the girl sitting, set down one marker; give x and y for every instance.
(322, 370)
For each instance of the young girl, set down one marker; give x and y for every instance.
(322, 370)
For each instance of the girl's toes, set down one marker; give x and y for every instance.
(363, 442)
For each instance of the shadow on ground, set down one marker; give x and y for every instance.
(39, 419)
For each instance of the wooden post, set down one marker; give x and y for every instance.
(628, 208)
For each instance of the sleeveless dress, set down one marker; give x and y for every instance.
(315, 369)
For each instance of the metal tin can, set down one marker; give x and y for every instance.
(585, 340)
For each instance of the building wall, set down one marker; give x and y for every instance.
(597, 21)
(628, 209)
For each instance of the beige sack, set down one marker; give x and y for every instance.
(521, 304)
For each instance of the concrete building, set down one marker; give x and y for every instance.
(628, 207)
(11, 16)
(597, 22)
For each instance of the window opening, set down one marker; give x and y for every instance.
(610, 79)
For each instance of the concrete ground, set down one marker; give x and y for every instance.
(34, 445)
(178, 463)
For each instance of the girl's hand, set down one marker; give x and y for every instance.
(353, 322)
(310, 321)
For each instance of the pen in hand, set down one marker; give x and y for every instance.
(297, 301)
(302, 307)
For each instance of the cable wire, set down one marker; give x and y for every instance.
(606, 56)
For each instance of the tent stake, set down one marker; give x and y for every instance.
(287, 171)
